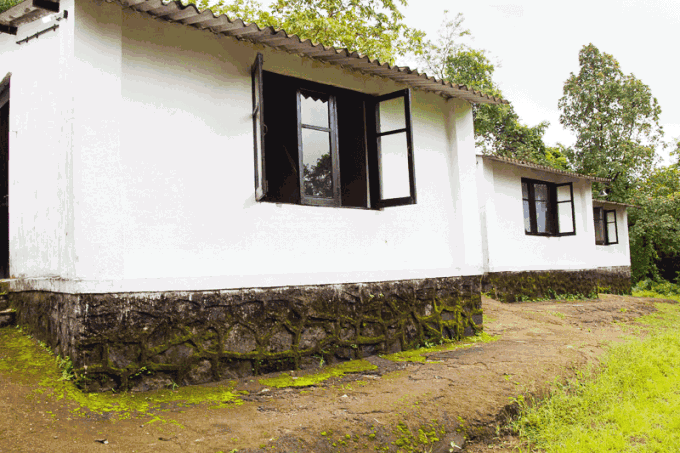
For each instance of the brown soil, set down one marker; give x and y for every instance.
(465, 391)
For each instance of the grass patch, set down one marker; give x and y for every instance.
(630, 403)
(29, 362)
(286, 380)
(419, 355)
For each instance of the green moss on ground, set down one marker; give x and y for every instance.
(30, 362)
(408, 440)
(286, 380)
(419, 355)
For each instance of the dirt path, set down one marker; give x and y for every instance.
(405, 405)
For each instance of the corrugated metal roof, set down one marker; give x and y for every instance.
(189, 15)
(522, 163)
(23, 13)
(615, 203)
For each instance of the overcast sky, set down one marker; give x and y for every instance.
(536, 45)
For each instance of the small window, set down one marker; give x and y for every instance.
(612, 230)
(321, 145)
(606, 231)
(598, 217)
(548, 208)
(317, 149)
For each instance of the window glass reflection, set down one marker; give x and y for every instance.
(392, 115)
(541, 215)
(527, 217)
(317, 163)
(313, 110)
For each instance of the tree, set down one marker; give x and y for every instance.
(654, 226)
(370, 27)
(498, 129)
(615, 119)
(246, 10)
(7, 4)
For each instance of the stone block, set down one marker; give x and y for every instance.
(280, 341)
(123, 355)
(200, 373)
(239, 339)
(207, 335)
(310, 337)
(7, 318)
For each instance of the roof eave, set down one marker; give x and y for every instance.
(544, 168)
(222, 25)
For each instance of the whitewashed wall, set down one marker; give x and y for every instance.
(507, 248)
(40, 164)
(615, 254)
(164, 186)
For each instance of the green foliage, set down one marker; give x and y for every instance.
(418, 355)
(630, 404)
(370, 27)
(498, 129)
(286, 380)
(246, 10)
(7, 4)
(653, 288)
(31, 362)
(615, 119)
(654, 227)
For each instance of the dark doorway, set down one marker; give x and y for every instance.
(4, 181)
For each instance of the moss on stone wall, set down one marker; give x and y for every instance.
(532, 285)
(198, 337)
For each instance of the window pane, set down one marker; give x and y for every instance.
(563, 193)
(258, 136)
(313, 111)
(527, 217)
(318, 166)
(611, 216)
(259, 148)
(394, 175)
(599, 232)
(392, 115)
(565, 217)
(611, 233)
(541, 215)
(597, 214)
(525, 191)
(541, 192)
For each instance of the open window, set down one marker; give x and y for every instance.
(4, 177)
(548, 208)
(394, 144)
(258, 129)
(321, 145)
(606, 230)
(318, 149)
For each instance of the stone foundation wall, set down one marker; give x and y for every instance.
(527, 285)
(146, 340)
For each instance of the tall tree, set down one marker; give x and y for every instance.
(655, 225)
(498, 129)
(615, 119)
(374, 28)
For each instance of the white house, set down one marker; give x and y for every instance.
(543, 233)
(206, 198)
